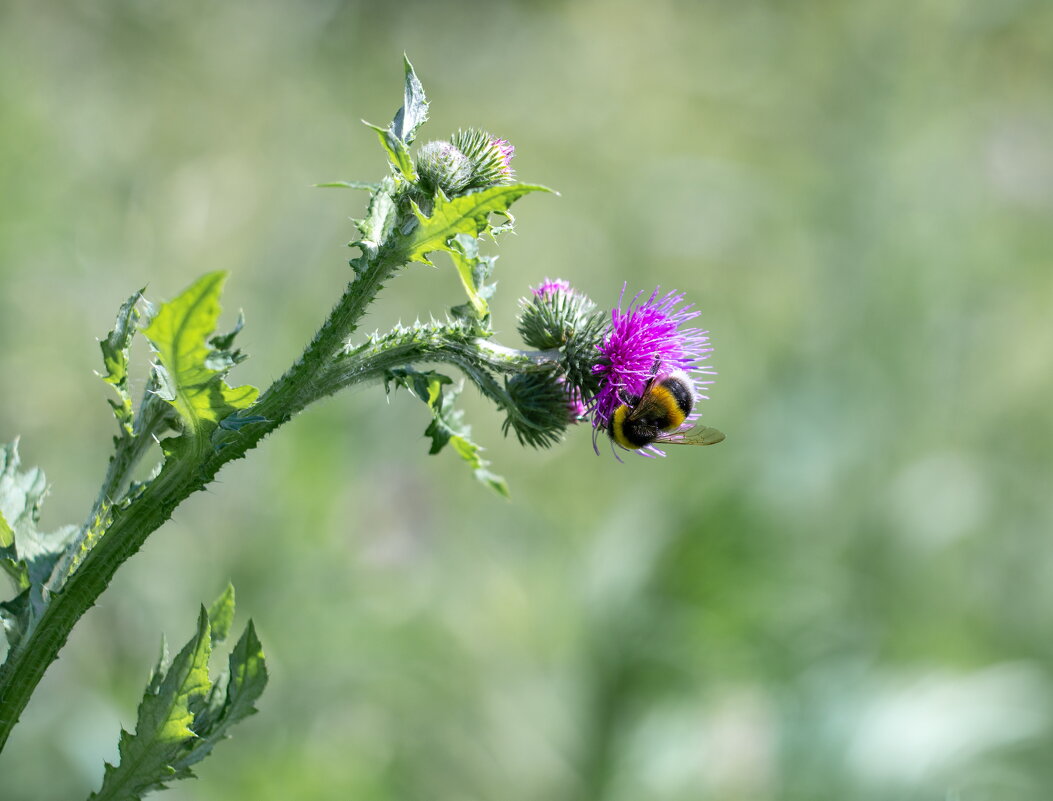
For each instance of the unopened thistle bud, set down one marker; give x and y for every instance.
(491, 157)
(558, 316)
(553, 313)
(442, 166)
(540, 408)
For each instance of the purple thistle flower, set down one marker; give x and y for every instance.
(550, 286)
(646, 339)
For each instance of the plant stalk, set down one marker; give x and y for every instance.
(325, 367)
(131, 525)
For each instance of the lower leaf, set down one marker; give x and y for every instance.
(183, 714)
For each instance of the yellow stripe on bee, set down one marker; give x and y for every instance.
(675, 415)
(618, 427)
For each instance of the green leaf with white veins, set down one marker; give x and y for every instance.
(190, 367)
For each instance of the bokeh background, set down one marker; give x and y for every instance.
(852, 597)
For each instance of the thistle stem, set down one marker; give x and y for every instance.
(131, 525)
(114, 532)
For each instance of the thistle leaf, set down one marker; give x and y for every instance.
(183, 715)
(28, 556)
(447, 426)
(233, 698)
(189, 371)
(473, 270)
(364, 185)
(466, 214)
(9, 560)
(163, 726)
(414, 111)
(399, 135)
(378, 223)
(115, 359)
(221, 615)
(398, 152)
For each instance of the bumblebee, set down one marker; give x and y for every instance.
(657, 415)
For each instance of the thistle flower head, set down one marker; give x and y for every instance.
(646, 339)
(490, 156)
(504, 150)
(551, 286)
(553, 314)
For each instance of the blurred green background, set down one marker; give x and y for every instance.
(851, 598)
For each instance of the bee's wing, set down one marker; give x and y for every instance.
(646, 407)
(696, 436)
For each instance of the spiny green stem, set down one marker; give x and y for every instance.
(325, 367)
(131, 525)
(437, 343)
(129, 452)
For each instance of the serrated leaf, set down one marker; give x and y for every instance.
(379, 220)
(398, 152)
(414, 111)
(248, 675)
(40, 551)
(157, 675)
(447, 426)
(397, 136)
(221, 615)
(27, 555)
(182, 715)
(244, 683)
(21, 492)
(188, 373)
(115, 359)
(163, 725)
(16, 616)
(225, 342)
(471, 453)
(465, 214)
(424, 384)
(473, 270)
(224, 355)
(7, 535)
(9, 561)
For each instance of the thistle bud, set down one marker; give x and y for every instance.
(539, 411)
(550, 318)
(558, 316)
(491, 157)
(442, 166)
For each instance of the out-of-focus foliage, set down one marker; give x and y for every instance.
(847, 599)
